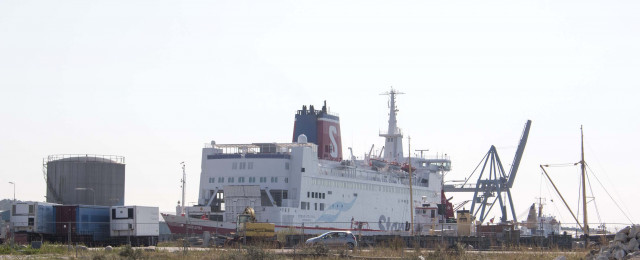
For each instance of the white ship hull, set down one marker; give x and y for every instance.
(288, 185)
(329, 197)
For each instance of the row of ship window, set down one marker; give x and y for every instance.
(362, 186)
(249, 165)
(241, 165)
(307, 206)
(242, 179)
(315, 195)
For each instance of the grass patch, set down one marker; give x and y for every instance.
(129, 253)
(46, 248)
(58, 251)
(174, 243)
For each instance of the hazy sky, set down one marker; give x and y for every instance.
(155, 80)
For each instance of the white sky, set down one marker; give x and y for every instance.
(155, 80)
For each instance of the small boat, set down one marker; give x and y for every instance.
(394, 166)
(377, 163)
(405, 167)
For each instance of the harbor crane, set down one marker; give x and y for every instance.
(495, 182)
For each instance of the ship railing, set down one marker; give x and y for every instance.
(316, 112)
(258, 148)
(432, 159)
(460, 186)
(86, 158)
(398, 131)
(369, 176)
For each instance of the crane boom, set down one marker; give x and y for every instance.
(518, 157)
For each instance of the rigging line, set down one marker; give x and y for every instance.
(554, 204)
(579, 195)
(614, 201)
(615, 223)
(594, 199)
(546, 184)
(474, 170)
(560, 194)
(610, 183)
(599, 164)
(560, 165)
(540, 190)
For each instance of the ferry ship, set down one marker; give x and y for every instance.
(309, 186)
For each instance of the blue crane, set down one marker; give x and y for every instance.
(495, 182)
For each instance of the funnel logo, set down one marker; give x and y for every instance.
(334, 145)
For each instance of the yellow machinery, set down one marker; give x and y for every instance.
(250, 231)
(248, 227)
(466, 223)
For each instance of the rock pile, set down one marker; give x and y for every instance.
(624, 246)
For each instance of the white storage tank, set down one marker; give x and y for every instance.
(139, 225)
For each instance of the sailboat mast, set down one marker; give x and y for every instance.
(584, 188)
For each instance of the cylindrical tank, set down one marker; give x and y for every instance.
(85, 179)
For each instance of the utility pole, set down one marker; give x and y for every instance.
(14, 191)
(11, 227)
(584, 192)
(410, 187)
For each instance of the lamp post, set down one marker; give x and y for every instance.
(11, 227)
(93, 193)
(14, 191)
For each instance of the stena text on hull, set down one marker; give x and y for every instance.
(308, 186)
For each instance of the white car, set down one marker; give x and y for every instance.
(334, 239)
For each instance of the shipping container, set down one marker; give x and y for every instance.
(33, 217)
(82, 223)
(4, 231)
(5, 216)
(136, 224)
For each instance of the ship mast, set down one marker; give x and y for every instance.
(584, 188)
(585, 220)
(393, 136)
(184, 186)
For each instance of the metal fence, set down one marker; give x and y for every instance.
(295, 234)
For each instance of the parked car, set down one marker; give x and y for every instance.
(334, 239)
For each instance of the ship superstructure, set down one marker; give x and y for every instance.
(307, 184)
(539, 224)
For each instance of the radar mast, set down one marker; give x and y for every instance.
(393, 136)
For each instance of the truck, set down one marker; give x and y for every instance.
(249, 231)
(138, 225)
